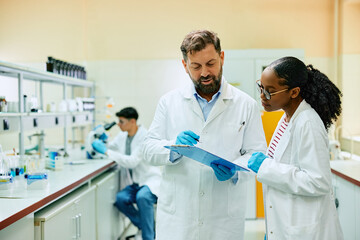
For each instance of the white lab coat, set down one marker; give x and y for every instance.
(142, 172)
(298, 197)
(192, 203)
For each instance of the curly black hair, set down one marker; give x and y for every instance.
(315, 87)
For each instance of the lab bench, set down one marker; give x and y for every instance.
(77, 200)
(346, 184)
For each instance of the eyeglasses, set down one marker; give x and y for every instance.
(266, 93)
(123, 121)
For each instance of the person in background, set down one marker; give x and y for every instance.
(196, 201)
(295, 172)
(126, 150)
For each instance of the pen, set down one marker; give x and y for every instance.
(241, 125)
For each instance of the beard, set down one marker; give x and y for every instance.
(209, 88)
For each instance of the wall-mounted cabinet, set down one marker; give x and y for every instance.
(41, 121)
(9, 122)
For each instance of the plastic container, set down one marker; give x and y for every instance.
(55, 164)
(5, 182)
(35, 164)
(36, 177)
(6, 179)
(36, 180)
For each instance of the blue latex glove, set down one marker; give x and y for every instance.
(99, 146)
(222, 172)
(256, 160)
(187, 138)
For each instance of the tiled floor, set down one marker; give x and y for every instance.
(254, 230)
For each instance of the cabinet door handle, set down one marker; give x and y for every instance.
(76, 227)
(79, 225)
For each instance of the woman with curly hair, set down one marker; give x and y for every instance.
(295, 172)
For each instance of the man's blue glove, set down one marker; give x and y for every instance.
(222, 172)
(99, 146)
(187, 138)
(256, 160)
(103, 137)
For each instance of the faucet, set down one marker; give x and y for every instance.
(338, 138)
(41, 144)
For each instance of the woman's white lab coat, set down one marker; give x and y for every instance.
(142, 172)
(298, 196)
(192, 203)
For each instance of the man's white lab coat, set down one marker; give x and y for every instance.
(192, 203)
(142, 172)
(298, 196)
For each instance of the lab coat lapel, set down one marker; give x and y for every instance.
(217, 109)
(188, 94)
(284, 143)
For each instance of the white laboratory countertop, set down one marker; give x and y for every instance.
(347, 169)
(18, 201)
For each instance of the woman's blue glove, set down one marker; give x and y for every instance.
(99, 146)
(256, 160)
(222, 172)
(187, 138)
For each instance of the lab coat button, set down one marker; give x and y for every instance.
(200, 223)
(271, 232)
(270, 206)
(202, 193)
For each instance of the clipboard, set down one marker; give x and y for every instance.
(204, 157)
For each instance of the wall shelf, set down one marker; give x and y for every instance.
(12, 70)
(26, 121)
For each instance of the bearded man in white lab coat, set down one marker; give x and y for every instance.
(196, 201)
(144, 179)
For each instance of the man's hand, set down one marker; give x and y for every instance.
(187, 138)
(222, 172)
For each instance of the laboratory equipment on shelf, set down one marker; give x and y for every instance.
(64, 68)
(3, 104)
(99, 132)
(24, 120)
